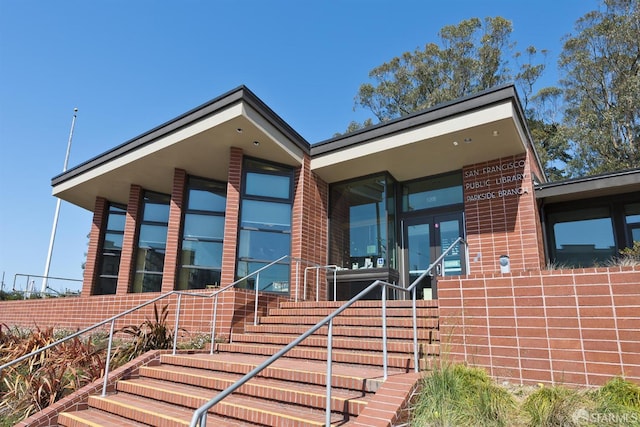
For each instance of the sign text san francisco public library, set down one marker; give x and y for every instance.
(510, 173)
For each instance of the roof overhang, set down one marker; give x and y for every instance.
(479, 128)
(199, 142)
(611, 184)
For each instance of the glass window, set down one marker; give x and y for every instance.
(111, 251)
(152, 243)
(583, 237)
(265, 225)
(432, 192)
(260, 184)
(632, 221)
(362, 223)
(202, 235)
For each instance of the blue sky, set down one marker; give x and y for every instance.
(129, 66)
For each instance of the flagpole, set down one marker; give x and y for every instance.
(43, 289)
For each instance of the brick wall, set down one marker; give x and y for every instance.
(129, 240)
(569, 326)
(196, 312)
(172, 252)
(501, 215)
(309, 230)
(95, 247)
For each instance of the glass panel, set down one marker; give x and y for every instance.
(207, 254)
(432, 192)
(266, 215)
(273, 279)
(632, 213)
(110, 265)
(635, 234)
(147, 282)
(156, 212)
(203, 226)
(113, 241)
(204, 200)
(198, 278)
(265, 246)
(419, 249)
(583, 238)
(150, 260)
(106, 286)
(259, 184)
(116, 222)
(449, 232)
(153, 236)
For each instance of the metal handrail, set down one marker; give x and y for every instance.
(331, 267)
(199, 417)
(113, 319)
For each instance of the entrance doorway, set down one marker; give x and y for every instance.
(424, 238)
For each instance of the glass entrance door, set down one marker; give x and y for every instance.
(424, 240)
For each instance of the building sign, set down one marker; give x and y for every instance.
(498, 181)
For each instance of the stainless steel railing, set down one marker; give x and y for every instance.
(112, 320)
(199, 417)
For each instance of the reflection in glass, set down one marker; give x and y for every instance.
(583, 238)
(432, 192)
(109, 262)
(362, 223)
(152, 243)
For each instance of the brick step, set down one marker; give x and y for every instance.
(153, 412)
(346, 376)
(354, 312)
(358, 304)
(94, 418)
(234, 406)
(424, 334)
(392, 322)
(353, 343)
(396, 360)
(308, 395)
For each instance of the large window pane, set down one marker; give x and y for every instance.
(203, 226)
(205, 254)
(432, 192)
(109, 262)
(156, 212)
(362, 222)
(198, 278)
(116, 221)
(153, 236)
(112, 241)
(204, 200)
(266, 215)
(259, 184)
(152, 241)
(272, 279)
(583, 237)
(263, 245)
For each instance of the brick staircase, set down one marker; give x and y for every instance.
(292, 391)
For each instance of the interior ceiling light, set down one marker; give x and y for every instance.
(496, 133)
(455, 143)
(256, 143)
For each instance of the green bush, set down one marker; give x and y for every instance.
(553, 406)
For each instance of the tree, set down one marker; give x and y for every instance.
(601, 85)
(472, 56)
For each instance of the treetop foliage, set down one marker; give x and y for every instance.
(589, 123)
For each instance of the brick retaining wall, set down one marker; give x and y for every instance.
(569, 326)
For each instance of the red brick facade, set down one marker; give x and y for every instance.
(172, 251)
(501, 215)
(570, 326)
(95, 246)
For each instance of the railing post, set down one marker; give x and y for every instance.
(415, 329)
(255, 309)
(317, 284)
(175, 331)
(329, 372)
(213, 323)
(384, 331)
(297, 277)
(108, 361)
(335, 287)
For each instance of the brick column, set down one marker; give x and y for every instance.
(95, 247)
(231, 217)
(309, 230)
(172, 252)
(130, 240)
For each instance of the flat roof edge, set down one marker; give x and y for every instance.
(588, 183)
(238, 95)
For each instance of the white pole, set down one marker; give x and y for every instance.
(43, 289)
